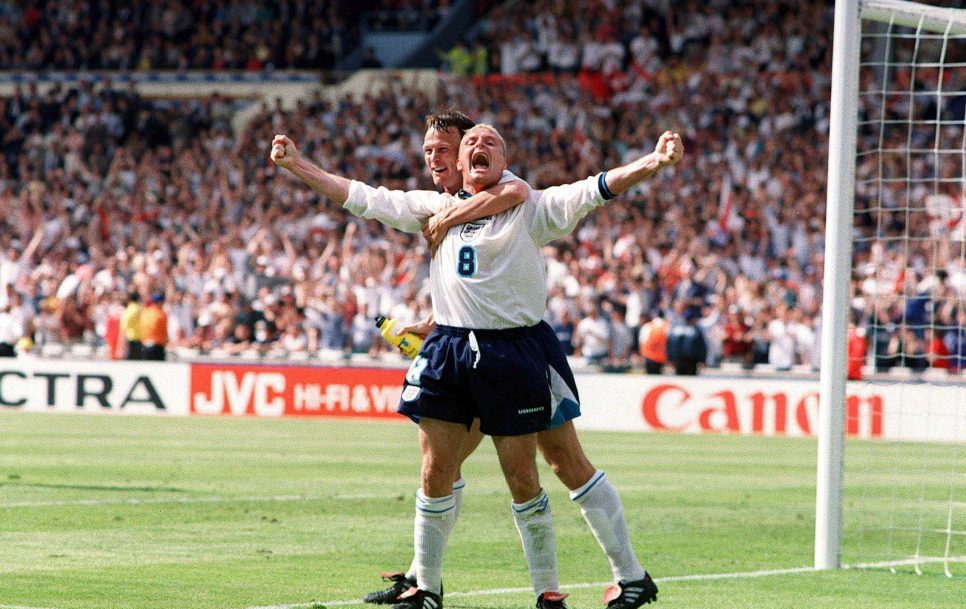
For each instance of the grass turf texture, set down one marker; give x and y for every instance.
(140, 512)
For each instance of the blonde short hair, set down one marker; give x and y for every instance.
(481, 126)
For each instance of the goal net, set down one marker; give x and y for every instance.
(895, 304)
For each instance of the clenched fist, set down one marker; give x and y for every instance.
(669, 148)
(284, 153)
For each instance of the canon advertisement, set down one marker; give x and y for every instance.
(907, 411)
(747, 405)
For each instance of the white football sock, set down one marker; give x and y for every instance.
(434, 521)
(535, 526)
(603, 511)
(458, 496)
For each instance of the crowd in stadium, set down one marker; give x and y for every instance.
(253, 36)
(104, 194)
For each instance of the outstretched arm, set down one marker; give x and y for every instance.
(287, 156)
(490, 202)
(667, 152)
(559, 208)
(403, 210)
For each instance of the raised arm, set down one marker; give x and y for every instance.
(667, 152)
(287, 156)
(490, 202)
(559, 208)
(403, 210)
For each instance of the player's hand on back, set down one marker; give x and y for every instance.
(437, 226)
(434, 231)
(284, 153)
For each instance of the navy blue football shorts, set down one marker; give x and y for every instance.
(517, 381)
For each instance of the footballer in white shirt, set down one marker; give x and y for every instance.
(487, 358)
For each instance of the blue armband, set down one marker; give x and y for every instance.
(602, 186)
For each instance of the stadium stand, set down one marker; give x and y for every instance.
(181, 35)
(103, 191)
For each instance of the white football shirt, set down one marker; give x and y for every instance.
(489, 273)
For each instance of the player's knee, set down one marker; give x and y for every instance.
(437, 478)
(523, 481)
(572, 468)
(556, 458)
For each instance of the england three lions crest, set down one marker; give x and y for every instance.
(469, 232)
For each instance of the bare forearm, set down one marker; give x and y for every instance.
(490, 202)
(623, 178)
(332, 186)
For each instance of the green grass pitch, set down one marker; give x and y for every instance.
(142, 513)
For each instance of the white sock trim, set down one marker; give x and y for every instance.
(434, 505)
(537, 504)
(579, 494)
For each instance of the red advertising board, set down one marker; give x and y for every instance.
(745, 407)
(771, 407)
(277, 391)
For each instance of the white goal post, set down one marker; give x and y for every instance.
(841, 187)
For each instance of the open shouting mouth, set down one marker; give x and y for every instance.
(480, 160)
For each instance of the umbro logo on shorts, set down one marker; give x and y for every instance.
(530, 410)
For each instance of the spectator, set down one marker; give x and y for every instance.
(294, 339)
(459, 60)
(857, 348)
(363, 333)
(881, 329)
(11, 331)
(113, 308)
(47, 328)
(333, 337)
(154, 329)
(686, 347)
(563, 328)
(653, 343)
(621, 340)
(955, 341)
(781, 339)
(907, 350)
(592, 336)
(240, 340)
(74, 320)
(936, 351)
(131, 326)
(735, 344)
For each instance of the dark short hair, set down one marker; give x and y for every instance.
(443, 120)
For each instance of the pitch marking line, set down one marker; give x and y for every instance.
(181, 500)
(212, 499)
(20, 607)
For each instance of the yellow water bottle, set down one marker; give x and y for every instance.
(408, 343)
